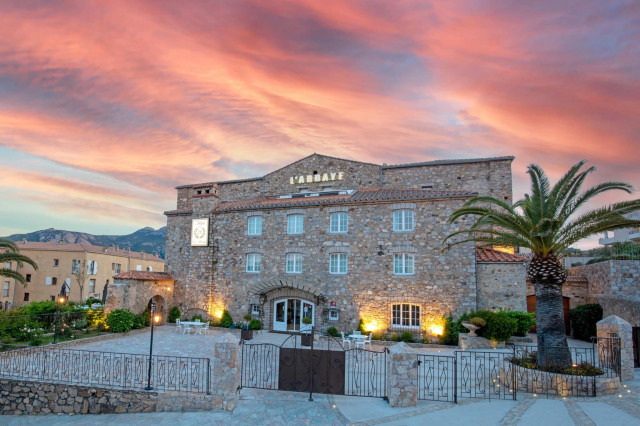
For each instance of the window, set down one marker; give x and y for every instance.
(52, 298)
(75, 267)
(47, 281)
(333, 316)
(138, 267)
(28, 278)
(149, 269)
(92, 267)
(403, 264)
(338, 263)
(26, 297)
(113, 266)
(92, 286)
(254, 262)
(255, 309)
(255, 225)
(294, 263)
(405, 315)
(55, 262)
(117, 268)
(54, 281)
(295, 224)
(5, 289)
(403, 220)
(338, 222)
(8, 265)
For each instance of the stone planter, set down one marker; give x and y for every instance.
(246, 334)
(472, 328)
(466, 341)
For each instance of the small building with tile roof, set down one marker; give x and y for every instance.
(336, 241)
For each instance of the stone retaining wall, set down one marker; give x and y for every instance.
(542, 382)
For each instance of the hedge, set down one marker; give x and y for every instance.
(120, 320)
(583, 320)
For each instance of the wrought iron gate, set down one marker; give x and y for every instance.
(325, 368)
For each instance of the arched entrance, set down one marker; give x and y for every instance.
(289, 313)
(160, 307)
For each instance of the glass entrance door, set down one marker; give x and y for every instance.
(288, 314)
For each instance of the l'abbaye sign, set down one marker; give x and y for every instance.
(318, 177)
(200, 232)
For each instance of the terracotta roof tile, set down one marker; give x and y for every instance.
(491, 255)
(84, 246)
(143, 275)
(577, 279)
(359, 197)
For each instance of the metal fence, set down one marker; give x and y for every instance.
(107, 369)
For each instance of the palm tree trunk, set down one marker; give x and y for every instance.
(547, 276)
(552, 340)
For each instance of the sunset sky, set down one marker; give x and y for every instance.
(106, 106)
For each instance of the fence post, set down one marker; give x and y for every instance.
(226, 371)
(455, 377)
(403, 377)
(208, 376)
(514, 386)
(615, 324)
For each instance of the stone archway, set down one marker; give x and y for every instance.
(134, 290)
(161, 307)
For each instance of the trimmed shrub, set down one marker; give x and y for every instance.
(499, 326)
(146, 316)
(407, 336)
(396, 337)
(138, 321)
(478, 322)
(255, 324)
(197, 317)
(450, 331)
(524, 322)
(361, 326)
(332, 331)
(94, 317)
(584, 319)
(120, 320)
(174, 314)
(226, 320)
(92, 300)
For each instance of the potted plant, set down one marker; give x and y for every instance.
(473, 324)
(306, 336)
(246, 333)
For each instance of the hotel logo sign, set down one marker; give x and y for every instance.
(200, 232)
(318, 177)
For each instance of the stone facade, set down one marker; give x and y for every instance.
(212, 278)
(502, 285)
(135, 294)
(616, 326)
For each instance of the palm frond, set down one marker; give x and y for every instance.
(17, 257)
(8, 244)
(575, 204)
(8, 273)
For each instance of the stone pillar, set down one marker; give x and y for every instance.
(403, 376)
(615, 324)
(225, 378)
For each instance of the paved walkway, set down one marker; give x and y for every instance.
(261, 407)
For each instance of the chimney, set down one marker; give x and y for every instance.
(24, 241)
(143, 254)
(117, 248)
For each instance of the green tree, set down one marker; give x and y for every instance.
(546, 222)
(9, 252)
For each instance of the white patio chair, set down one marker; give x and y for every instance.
(204, 328)
(178, 327)
(186, 329)
(345, 340)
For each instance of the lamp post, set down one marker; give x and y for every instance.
(60, 301)
(154, 319)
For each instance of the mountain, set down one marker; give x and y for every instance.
(148, 239)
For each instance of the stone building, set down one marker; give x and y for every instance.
(337, 241)
(64, 264)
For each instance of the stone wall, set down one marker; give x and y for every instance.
(627, 309)
(134, 295)
(482, 176)
(442, 283)
(612, 277)
(502, 285)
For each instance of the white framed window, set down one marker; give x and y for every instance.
(138, 267)
(47, 281)
(92, 286)
(92, 267)
(8, 265)
(405, 315)
(56, 262)
(254, 262)
(254, 225)
(403, 263)
(117, 268)
(75, 266)
(294, 263)
(338, 263)
(5, 289)
(403, 220)
(338, 222)
(333, 315)
(295, 224)
(255, 309)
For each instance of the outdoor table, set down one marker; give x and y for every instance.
(197, 326)
(358, 336)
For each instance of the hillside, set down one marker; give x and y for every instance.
(148, 239)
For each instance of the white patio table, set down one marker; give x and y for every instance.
(196, 325)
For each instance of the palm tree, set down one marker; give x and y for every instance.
(545, 222)
(9, 253)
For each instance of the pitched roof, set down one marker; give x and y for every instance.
(445, 162)
(84, 246)
(144, 276)
(577, 279)
(362, 196)
(491, 255)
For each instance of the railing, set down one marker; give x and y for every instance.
(108, 369)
